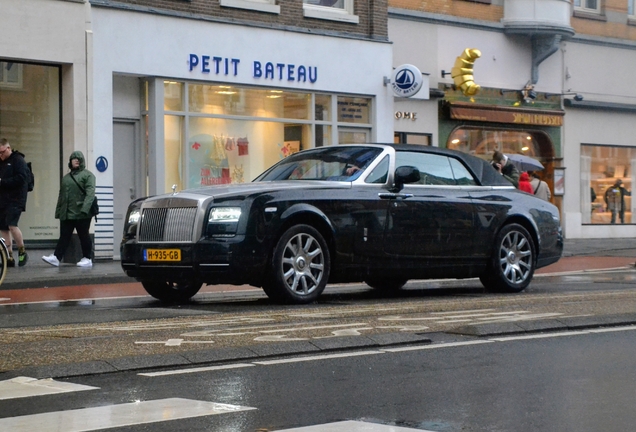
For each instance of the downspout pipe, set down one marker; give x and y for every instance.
(543, 46)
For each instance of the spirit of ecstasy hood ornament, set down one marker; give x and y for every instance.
(174, 189)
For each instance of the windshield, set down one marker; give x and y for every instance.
(326, 163)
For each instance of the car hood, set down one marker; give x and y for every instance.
(256, 188)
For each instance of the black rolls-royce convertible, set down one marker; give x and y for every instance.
(375, 213)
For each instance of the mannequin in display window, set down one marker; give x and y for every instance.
(615, 200)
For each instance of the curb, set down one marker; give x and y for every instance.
(552, 324)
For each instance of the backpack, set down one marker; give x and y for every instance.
(30, 178)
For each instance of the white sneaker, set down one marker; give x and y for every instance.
(51, 259)
(85, 262)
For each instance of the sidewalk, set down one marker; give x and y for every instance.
(578, 255)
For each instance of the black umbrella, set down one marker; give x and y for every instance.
(525, 163)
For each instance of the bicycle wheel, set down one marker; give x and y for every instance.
(4, 256)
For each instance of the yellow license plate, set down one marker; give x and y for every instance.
(162, 255)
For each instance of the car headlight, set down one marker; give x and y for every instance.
(133, 216)
(223, 221)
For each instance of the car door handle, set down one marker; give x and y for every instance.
(394, 195)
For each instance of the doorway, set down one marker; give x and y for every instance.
(128, 166)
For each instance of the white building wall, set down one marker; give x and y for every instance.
(601, 72)
(55, 32)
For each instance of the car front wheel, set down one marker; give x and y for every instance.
(300, 266)
(512, 263)
(171, 291)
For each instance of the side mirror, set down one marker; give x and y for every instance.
(406, 174)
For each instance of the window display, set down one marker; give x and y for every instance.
(607, 175)
(30, 113)
(231, 134)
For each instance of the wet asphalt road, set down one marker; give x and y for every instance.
(138, 332)
(582, 381)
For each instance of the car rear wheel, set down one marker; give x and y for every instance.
(512, 263)
(171, 291)
(300, 266)
(386, 284)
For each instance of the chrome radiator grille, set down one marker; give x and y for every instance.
(167, 224)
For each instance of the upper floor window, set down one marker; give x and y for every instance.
(630, 8)
(335, 10)
(268, 6)
(10, 75)
(588, 5)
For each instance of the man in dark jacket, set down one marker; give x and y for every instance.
(501, 163)
(13, 196)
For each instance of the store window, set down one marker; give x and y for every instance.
(30, 119)
(607, 176)
(412, 138)
(222, 134)
(482, 142)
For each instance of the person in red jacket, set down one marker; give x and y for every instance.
(524, 183)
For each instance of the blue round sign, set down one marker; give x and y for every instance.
(101, 164)
(406, 80)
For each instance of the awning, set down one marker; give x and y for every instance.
(499, 114)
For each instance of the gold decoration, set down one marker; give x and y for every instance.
(462, 72)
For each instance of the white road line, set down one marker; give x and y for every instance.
(317, 357)
(313, 327)
(613, 329)
(199, 369)
(74, 300)
(112, 416)
(462, 311)
(20, 387)
(539, 336)
(436, 346)
(352, 426)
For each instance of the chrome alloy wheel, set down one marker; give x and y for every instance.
(515, 257)
(303, 264)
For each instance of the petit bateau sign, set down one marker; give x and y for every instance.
(406, 80)
(266, 70)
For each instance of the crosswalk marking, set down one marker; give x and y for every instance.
(353, 426)
(21, 387)
(134, 413)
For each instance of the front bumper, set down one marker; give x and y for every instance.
(235, 261)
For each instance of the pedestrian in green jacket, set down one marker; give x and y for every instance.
(74, 201)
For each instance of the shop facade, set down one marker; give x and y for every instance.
(43, 99)
(224, 102)
(574, 120)
(600, 139)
